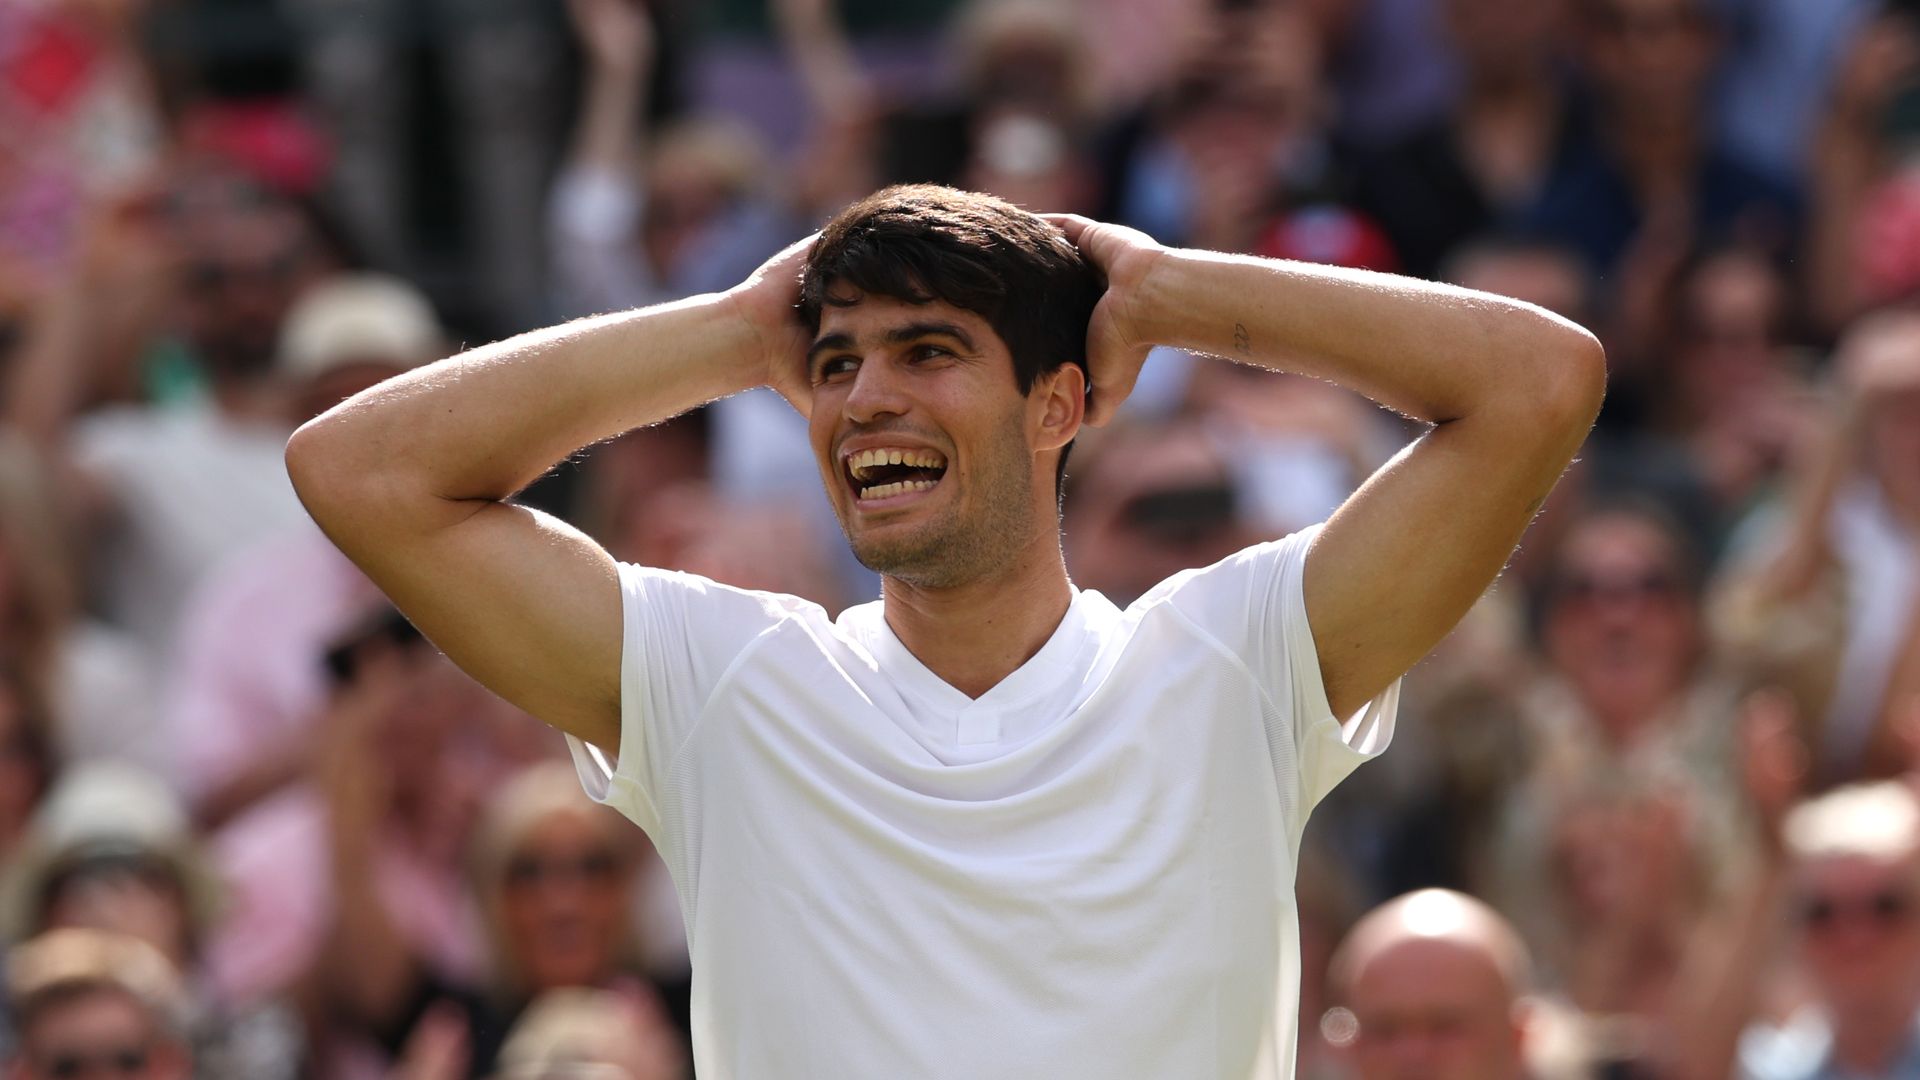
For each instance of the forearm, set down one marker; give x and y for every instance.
(1434, 352)
(484, 424)
(608, 133)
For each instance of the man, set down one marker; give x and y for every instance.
(1433, 980)
(988, 825)
(1852, 875)
(90, 1004)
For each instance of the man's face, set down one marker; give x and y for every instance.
(1434, 1009)
(564, 903)
(1621, 626)
(923, 440)
(1652, 52)
(1860, 930)
(95, 1036)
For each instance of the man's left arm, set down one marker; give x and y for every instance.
(1510, 389)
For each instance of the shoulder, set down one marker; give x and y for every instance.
(1261, 565)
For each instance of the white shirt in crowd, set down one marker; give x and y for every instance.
(1087, 872)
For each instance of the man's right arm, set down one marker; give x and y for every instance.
(411, 480)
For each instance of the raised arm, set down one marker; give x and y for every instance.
(411, 479)
(1510, 389)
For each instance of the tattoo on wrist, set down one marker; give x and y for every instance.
(1242, 341)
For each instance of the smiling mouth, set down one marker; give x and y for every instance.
(890, 471)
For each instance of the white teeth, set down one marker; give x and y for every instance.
(860, 462)
(898, 487)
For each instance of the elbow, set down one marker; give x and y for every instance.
(321, 466)
(1571, 381)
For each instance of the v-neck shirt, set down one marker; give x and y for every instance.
(1085, 872)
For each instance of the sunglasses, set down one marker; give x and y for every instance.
(1885, 909)
(1647, 585)
(592, 868)
(72, 1064)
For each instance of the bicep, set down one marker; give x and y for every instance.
(522, 601)
(1408, 554)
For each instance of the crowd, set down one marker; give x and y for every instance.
(1653, 811)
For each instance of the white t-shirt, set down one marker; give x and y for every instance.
(1087, 872)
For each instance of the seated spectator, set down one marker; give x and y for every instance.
(112, 851)
(1856, 858)
(1827, 604)
(555, 876)
(1629, 683)
(247, 680)
(1844, 891)
(1434, 985)
(86, 1003)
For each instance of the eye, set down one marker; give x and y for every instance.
(834, 366)
(927, 352)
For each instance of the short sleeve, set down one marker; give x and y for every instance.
(1254, 604)
(681, 635)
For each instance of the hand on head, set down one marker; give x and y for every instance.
(1116, 347)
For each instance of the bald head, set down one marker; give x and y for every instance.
(1434, 978)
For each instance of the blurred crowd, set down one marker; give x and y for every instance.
(1653, 811)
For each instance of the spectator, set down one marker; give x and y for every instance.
(112, 851)
(1434, 984)
(1730, 393)
(1865, 173)
(555, 876)
(1829, 604)
(246, 682)
(87, 1003)
(1649, 179)
(81, 122)
(1840, 887)
(1481, 165)
(178, 488)
(407, 751)
(1149, 501)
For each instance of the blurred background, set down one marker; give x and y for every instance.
(253, 827)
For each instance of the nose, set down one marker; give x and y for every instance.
(878, 390)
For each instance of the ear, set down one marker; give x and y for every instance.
(1057, 406)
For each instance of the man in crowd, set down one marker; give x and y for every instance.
(989, 825)
(88, 1003)
(1434, 980)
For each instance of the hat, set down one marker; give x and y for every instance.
(356, 318)
(105, 810)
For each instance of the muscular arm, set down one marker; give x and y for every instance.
(411, 479)
(1510, 389)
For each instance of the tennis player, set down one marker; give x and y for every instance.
(989, 825)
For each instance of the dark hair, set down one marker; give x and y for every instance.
(924, 242)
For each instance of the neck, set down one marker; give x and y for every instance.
(976, 634)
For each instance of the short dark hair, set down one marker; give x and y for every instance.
(925, 242)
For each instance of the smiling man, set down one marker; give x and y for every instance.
(989, 825)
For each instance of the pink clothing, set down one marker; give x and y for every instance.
(274, 862)
(249, 678)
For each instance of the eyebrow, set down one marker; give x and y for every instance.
(899, 335)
